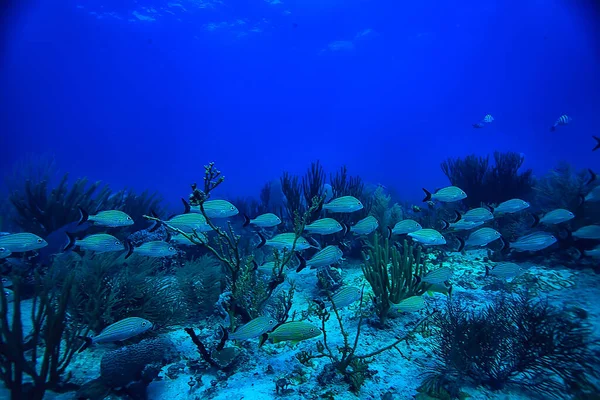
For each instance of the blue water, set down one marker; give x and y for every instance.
(142, 94)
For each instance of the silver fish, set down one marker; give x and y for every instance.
(294, 331)
(344, 204)
(253, 329)
(110, 218)
(505, 270)
(447, 195)
(555, 217)
(346, 296)
(562, 120)
(593, 195)
(327, 256)
(184, 241)
(428, 237)
(438, 276)
(189, 223)
(533, 242)
(324, 226)
(285, 241)
(266, 268)
(595, 252)
(155, 248)
(216, 209)
(99, 243)
(479, 214)
(120, 330)
(511, 206)
(588, 232)
(365, 226)
(405, 226)
(267, 220)
(481, 237)
(464, 225)
(22, 242)
(411, 304)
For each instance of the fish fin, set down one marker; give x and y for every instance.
(504, 244)
(597, 144)
(592, 173)
(224, 338)
(346, 229)
(450, 288)
(389, 236)
(155, 224)
(263, 339)
(461, 245)
(71, 241)
(458, 216)
(83, 216)
(246, 221)
(536, 220)
(427, 195)
(186, 205)
(552, 128)
(487, 271)
(580, 254)
(430, 293)
(445, 225)
(169, 236)
(129, 249)
(581, 199)
(263, 241)
(302, 263)
(255, 265)
(490, 208)
(87, 343)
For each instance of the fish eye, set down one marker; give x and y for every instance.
(232, 207)
(117, 243)
(143, 323)
(2, 249)
(171, 248)
(271, 321)
(39, 240)
(128, 218)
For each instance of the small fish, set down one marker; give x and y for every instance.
(439, 288)
(189, 223)
(120, 330)
(505, 270)
(267, 220)
(404, 227)
(597, 139)
(488, 119)
(416, 208)
(510, 206)
(329, 255)
(438, 276)
(110, 218)
(344, 204)
(461, 225)
(253, 329)
(479, 214)
(408, 305)
(266, 268)
(595, 253)
(4, 252)
(593, 195)
(284, 241)
(294, 331)
(553, 217)
(446, 195)
(478, 125)
(10, 295)
(588, 232)
(562, 120)
(22, 242)
(99, 243)
(184, 241)
(365, 226)
(428, 237)
(6, 282)
(481, 237)
(346, 296)
(325, 226)
(156, 248)
(213, 208)
(533, 242)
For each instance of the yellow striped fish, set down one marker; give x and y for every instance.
(22, 242)
(553, 217)
(120, 330)
(284, 241)
(344, 204)
(533, 242)
(266, 268)
(447, 195)
(324, 226)
(404, 227)
(184, 241)
(428, 237)
(588, 232)
(213, 208)
(99, 243)
(189, 222)
(479, 214)
(156, 248)
(294, 332)
(327, 256)
(510, 206)
(110, 218)
(346, 296)
(411, 304)
(438, 276)
(481, 237)
(507, 270)
(365, 226)
(267, 220)
(253, 329)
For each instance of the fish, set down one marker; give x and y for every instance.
(120, 330)
(184, 241)
(404, 227)
(479, 214)
(595, 253)
(156, 248)
(327, 256)
(593, 177)
(212, 208)
(488, 119)
(99, 243)
(461, 225)
(284, 241)
(22, 242)
(344, 204)
(428, 237)
(553, 217)
(410, 304)
(265, 268)
(294, 332)
(533, 242)
(189, 223)
(507, 270)
(587, 232)
(597, 139)
(593, 195)
(10, 295)
(4, 252)
(447, 195)
(267, 220)
(478, 125)
(365, 226)
(6, 282)
(253, 329)
(562, 120)
(437, 276)
(346, 296)
(510, 206)
(110, 218)
(481, 237)
(325, 226)
(439, 288)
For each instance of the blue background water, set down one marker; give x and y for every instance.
(143, 93)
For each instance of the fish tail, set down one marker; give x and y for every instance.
(302, 263)
(389, 235)
(505, 244)
(597, 143)
(487, 271)
(186, 206)
(84, 216)
(345, 230)
(536, 220)
(263, 241)
(71, 241)
(246, 221)
(445, 225)
(155, 224)
(129, 248)
(427, 195)
(254, 265)
(225, 334)
(87, 343)
(581, 199)
(461, 245)
(458, 216)
(592, 173)
(490, 208)
(263, 339)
